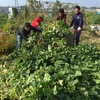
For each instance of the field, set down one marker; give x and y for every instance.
(48, 66)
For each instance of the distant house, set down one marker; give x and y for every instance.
(98, 11)
(4, 10)
(10, 14)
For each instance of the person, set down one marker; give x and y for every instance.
(77, 20)
(61, 15)
(36, 22)
(23, 33)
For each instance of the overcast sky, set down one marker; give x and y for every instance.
(87, 3)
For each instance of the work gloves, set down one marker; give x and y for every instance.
(79, 29)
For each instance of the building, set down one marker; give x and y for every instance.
(98, 11)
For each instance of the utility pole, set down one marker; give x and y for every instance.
(16, 4)
(26, 2)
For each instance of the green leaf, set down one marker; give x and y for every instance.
(75, 82)
(94, 92)
(62, 72)
(49, 48)
(47, 92)
(78, 97)
(47, 77)
(86, 93)
(97, 81)
(57, 63)
(55, 90)
(78, 73)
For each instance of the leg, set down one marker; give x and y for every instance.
(19, 41)
(78, 37)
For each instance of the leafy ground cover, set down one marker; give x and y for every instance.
(45, 68)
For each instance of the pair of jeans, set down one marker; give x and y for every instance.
(77, 36)
(19, 41)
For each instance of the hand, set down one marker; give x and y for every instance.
(39, 27)
(38, 30)
(79, 29)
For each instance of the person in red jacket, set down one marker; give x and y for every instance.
(61, 15)
(36, 22)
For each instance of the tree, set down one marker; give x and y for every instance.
(25, 13)
(15, 12)
(35, 5)
(57, 5)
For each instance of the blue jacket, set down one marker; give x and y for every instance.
(77, 20)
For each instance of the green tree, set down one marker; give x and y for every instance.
(15, 12)
(35, 5)
(3, 20)
(25, 13)
(57, 5)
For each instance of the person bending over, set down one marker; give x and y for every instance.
(23, 33)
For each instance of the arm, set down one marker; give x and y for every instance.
(72, 22)
(35, 29)
(81, 21)
(64, 19)
(25, 37)
(57, 18)
(37, 23)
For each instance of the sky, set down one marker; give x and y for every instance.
(87, 3)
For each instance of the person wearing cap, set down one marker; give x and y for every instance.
(77, 20)
(23, 33)
(61, 15)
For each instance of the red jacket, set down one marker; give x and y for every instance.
(36, 20)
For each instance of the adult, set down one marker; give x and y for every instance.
(23, 33)
(61, 15)
(77, 20)
(36, 22)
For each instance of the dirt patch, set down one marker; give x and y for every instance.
(1, 33)
(89, 38)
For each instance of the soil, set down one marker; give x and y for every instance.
(90, 38)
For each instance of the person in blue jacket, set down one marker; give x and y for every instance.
(77, 20)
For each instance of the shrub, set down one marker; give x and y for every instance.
(10, 27)
(7, 44)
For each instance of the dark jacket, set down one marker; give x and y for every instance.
(77, 20)
(25, 33)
